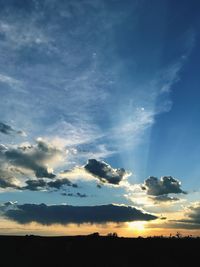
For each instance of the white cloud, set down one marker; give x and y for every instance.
(12, 83)
(21, 32)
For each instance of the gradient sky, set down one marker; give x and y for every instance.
(114, 81)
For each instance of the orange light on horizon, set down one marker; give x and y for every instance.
(138, 226)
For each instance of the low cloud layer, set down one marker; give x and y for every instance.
(192, 214)
(65, 214)
(189, 221)
(104, 172)
(166, 185)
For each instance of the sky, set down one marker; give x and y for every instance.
(99, 117)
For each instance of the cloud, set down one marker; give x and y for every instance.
(7, 179)
(61, 182)
(5, 129)
(81, 195)
(8, 182)
(190, 219)
(166, 185)
(129, 131)
(78, 194)
(65, 214)
(164, 198)
(104, 172)
(192, 214)
(8, 130)
(18, 162)
(35, 185)
(11, 82)
(31, 157)
(42, 184)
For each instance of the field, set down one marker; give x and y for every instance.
(97, 250)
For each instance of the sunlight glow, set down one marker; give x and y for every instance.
(137, 226)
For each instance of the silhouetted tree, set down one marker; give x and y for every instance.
(112, 234)
(178, 235)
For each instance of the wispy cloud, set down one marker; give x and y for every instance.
(71, 68)
(8, 130)
(10, 81)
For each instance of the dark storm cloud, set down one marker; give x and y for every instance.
(104, 172)
(31, 157)
(64, 214)
(166, 185)
(41, 184)
(7, 129)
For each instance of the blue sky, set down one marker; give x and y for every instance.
(116, 81)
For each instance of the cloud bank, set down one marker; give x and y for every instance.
(65, 214)
(192, 216)
(190, 220)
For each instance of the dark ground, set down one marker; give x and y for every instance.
(98, 251)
